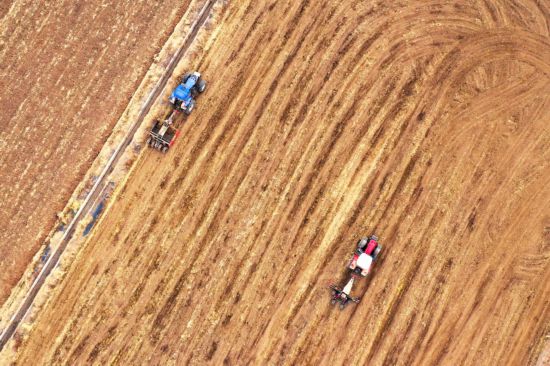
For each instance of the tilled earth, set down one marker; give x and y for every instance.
(67, 72)
(426, 122)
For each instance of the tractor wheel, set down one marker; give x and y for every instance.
(201, 85)
(361, 243)
(189, 108)
(342, 306)
(376, 252)
(164, 149)
(332, 301)
(149, 141)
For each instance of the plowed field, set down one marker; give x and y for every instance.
(426, 122)
(67, 72)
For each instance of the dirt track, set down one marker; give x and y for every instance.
(324, 121)
(67, 71)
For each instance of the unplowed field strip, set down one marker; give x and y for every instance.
(101, 183)
(426, 122)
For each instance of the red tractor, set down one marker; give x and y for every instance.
(368, 250)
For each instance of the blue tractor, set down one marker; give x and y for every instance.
(163, 134)
(183, 97)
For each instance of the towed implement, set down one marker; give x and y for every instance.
(163, 134)
(343, 295)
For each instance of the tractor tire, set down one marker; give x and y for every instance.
(189, 108)
(376, 252)
(333, 301)
(342, 306)
(149, 141)
(362, 243)
(201, 85)
(164, 149)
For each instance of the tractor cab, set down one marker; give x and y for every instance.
(361, 263)
(182, 99)
(181, 95)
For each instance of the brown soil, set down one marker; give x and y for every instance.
(67, 72)
(425, 122)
